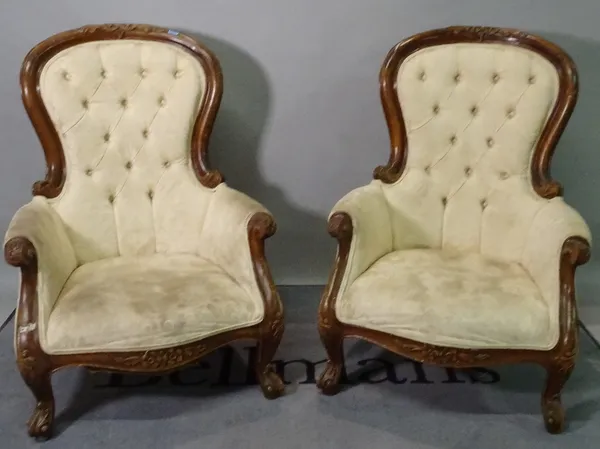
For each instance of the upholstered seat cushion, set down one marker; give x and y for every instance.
(140, 303)
(450, 299)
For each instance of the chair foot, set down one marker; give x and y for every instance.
(554, 416)
(41, 422)
(37, 378)
(329, 381)
(552, 409)
(271, 384)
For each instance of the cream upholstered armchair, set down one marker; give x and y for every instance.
(134, 255)
(462, 252)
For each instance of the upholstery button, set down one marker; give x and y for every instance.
(145, 133)
(468, 171)
(143, 73)
(495, 78)
(510, 113)
(444, 201)
(123, 102)
(66, 75)
(531, 79)
(422, 76)
(483, 203)
(490, 142)
(457, 77)
(177, 74)
(427, 169)
(111, 199)
(474, 110)
(453, 139)
(106, 137)
(103, 73)
(162, 101)
(150, 194)
(128, 165)
(89, 172)
(166, 164)
(436, 109)
(85, 103)
(503, 175)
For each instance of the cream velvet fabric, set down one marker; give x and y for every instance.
(135, 253)
(149, 302)
(471, 301)
(42, 226)
(124, 111)
(473, 114)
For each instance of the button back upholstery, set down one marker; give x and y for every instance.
(472, 117)
(467, 173)
(124, 113)
(461, 252)
(134, 255)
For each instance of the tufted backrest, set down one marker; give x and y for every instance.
(130, 108)
(471, 117)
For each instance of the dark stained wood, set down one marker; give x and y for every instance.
(34, 364)
(558, 361)
(260, 227)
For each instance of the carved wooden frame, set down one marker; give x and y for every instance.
(558, 361)
(36, 366)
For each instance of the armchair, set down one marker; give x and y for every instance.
(461, 252)
(134, 254)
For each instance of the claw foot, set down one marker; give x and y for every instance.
(329, 382)
(554, 416)
(271, 384)
(40, 423)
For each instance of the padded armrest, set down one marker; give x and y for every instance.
(38, 223)
(372, 229)
(552, 225)
(224, 238)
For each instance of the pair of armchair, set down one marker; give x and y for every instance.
(136, 256)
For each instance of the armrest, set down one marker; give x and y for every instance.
(233, 237)
(370, 233)
(554, 223)
(37, 242)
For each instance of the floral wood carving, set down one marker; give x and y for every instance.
(27, 363)
(443, 356)
(163, 359)
(481, 33)
(566, 360)
(120, 29)
(19, 251)
(277, 325)
(324, 322)
(43, 188)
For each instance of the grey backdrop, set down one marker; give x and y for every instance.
(300, 123)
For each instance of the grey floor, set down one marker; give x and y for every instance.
(388, 402)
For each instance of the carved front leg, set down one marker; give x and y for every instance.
(554, 414)
(575, 252)
(260, 227)
(271, 384)
(34, 365)
(329, 381)
(36, 375)
(558, 372)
